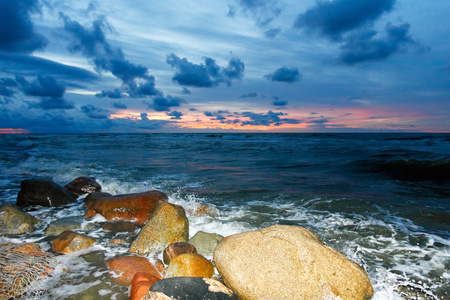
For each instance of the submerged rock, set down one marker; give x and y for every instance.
(64, 224)
(44, 193)
(136, 207)
(416, 170)
(120, 226)
(288, 262)
(124, 268)
(15, 221)
(83, 185)
(22, 266)
(175, 249)
(205, 243)
(190, 288)
(69, 241)
(168, 224)
(190, 265)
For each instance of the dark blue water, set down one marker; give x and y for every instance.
(381, 199)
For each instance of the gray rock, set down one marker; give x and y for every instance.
(61, 225)
(205, 243)
(15, 221)
(83, 185)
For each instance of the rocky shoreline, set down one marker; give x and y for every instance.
(277, 262)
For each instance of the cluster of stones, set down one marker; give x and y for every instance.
(277, 262)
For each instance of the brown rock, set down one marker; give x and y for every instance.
(120, 226)
(168, 224)
(83, 185)
(190, 265)
(124, 268)
(69, 241)
(199, 210)
(140, 284)
(90, 198)
(118, 241)
(136, 207)
(297, 263)
(175, 249)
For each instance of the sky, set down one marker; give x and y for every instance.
(125, 66)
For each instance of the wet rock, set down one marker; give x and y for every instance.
(44, 193)
(118, 242)
(414, 292)
(175, 249)
(15, 221)
(205, 243)
(120, 226)
(83, 185)
(190, 265)
(140, 284)
(168, 224)
(199, 210)
(69, 241)
(137, 207)
(294, 260)
(190, 288)
(124, 268)
(64, 224)
(21, 267)
(90, 199)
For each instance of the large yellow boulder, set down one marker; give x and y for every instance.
(288, 262)
(168, 224)
(190, 265)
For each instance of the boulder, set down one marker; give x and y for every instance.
(64, 224)
(288, 262)
(69, 241)
(120, 226)
(140, 284)
(190, 265)
(137, 207)
(124, 268)
(190, 288)
(83, 185)
(90, 198)
(44, 193)
(175, 249)
(205, 243)
(168, 224)
(15, 221)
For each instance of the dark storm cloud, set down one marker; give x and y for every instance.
(144, 116)
(52, 103)
(263, 11)
(94, 112)
(271, 33)
(161, 103)
(17, 33)
(278, 102)
(175, 115)
(186, 91)
(249, 95)
(284, 74)
(205, 75)
(115, 94)
(333, 18)
(44, 86)
(92, 43)
(218, 115)
(365, 46)
(119, 105)
(5, 86)
(20, 64)
(271, 118)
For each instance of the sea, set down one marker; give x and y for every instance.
(381, 199)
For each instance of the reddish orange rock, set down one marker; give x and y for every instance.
(140, 285)
(136, 207)
(69, 241)
(124, 268)
(190, 265)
